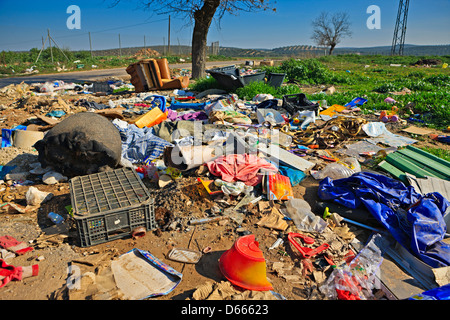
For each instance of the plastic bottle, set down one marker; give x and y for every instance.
(56, 218)
(270, 118)
(306, 123)
(299, 211)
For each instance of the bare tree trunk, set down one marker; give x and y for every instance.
(203, 19)
(331, 49)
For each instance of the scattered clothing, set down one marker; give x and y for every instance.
(139, 145)
(240, 167)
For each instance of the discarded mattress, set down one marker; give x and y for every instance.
(415, 221)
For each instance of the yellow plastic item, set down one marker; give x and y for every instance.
(151, 118)
(326, 213)
(331, 111)
(206, 184)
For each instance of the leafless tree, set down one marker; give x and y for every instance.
(202, 13)
(330, 30)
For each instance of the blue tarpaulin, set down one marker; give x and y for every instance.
(415, 221)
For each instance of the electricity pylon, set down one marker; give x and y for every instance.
(400, 28)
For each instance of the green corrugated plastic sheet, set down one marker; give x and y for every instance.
(440, 164)
(417, 162)
(397, 173)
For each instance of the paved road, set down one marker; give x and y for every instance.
(80, 76)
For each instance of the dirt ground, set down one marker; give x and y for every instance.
(55, 252)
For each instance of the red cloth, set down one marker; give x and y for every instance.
(11, 244)
(11, 273)
(240, 167)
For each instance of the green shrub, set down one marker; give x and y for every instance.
(204, 84)
(309, 71)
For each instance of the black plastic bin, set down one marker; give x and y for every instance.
(228, 69)
(249, 78)
(103, 87)
(226, 80)
(110, 205)
(231, 79)
(276, 79)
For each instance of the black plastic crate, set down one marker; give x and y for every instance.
(110, 205)
(298, 102)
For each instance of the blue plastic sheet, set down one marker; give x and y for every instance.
(415, 221)
(441, 293)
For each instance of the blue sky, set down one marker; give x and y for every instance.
(23, 23)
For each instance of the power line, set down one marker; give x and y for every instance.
(92, 32)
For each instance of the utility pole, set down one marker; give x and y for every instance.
(164, 45)
(50, 42)
(168, 43)
(120, 46)
(145, 47)
(90, 43)
(43, 46)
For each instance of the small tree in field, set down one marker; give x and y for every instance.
(330, 30)
(201, 13)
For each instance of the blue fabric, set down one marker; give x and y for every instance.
(294, 175)
(415, 221)
(141, 145)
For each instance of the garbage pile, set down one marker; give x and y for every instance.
(127, 159)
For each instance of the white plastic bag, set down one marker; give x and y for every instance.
(233, 188)
(356, 280)
(260, 97)
(35, 197)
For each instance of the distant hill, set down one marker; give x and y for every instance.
(409, 50)
(288, 51)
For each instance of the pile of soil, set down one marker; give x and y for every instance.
(430, 62)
